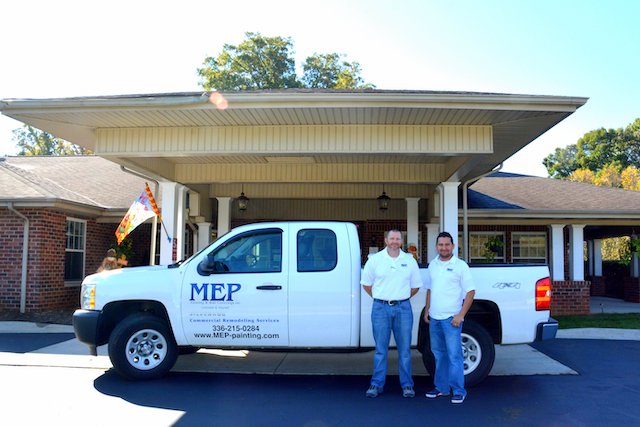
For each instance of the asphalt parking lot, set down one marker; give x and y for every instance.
(596, 383)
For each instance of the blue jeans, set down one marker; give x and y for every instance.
(399, 319)
(446, 345)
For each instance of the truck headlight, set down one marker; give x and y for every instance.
(88, 296)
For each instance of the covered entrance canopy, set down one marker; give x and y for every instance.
(276, 144)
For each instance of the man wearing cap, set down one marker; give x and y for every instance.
(391, 277)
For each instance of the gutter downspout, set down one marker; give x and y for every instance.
(154, 224)
(25, 253)
(465, 219)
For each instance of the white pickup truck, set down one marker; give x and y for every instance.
(287, 285)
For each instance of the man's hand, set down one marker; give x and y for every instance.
(426, 316)
(457, 320)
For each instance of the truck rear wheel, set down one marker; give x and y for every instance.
(478, 351)
(141, 347)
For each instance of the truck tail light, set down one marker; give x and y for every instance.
(543, 294)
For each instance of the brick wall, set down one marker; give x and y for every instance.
(46, 288)
(11, 259)
(45, 271)
(570, 297)
(598, 286)
(632, 289)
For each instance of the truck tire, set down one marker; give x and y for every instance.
(142, 347)
(478, 351)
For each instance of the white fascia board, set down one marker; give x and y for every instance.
(456, 101)
(303, 99)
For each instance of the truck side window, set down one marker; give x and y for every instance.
(257, 252)
(317, 250)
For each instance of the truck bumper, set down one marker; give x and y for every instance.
(86, 325)
(547, 330)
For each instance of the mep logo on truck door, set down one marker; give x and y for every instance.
(214, 291)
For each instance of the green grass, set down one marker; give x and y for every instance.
(621, 321)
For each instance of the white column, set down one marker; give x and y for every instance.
(181, 221)
(635, 262)
(432, 234)
(590, 257)
(449, 218)
(194, 203)
(224, 215)
(557, 252)
(169, 206)
(412, 222)
(204, 234)
(597, 257)
(576, 253)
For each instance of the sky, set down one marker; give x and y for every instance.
(584, 48)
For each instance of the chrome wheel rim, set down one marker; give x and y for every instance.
(146, 349)
(472, 353)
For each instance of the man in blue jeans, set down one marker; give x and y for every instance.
(450, 292)
(391, 277)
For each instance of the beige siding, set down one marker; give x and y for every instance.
(318, 191)
(338, 210)
(403, 173)
(295, 139)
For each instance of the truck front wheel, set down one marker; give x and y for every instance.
(478, 351)
(141, 347)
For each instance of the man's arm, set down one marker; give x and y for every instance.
(367, 289)
(459, 318)
(427, 304)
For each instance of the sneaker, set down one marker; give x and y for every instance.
(457, 398)
(435, 393)
(408, 392)
(373, 391)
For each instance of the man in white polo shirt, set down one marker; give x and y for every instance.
(450, 292)
(391, 277)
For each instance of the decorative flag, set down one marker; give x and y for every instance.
(143, 208)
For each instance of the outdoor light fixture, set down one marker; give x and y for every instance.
(243, 201)
(383, 200)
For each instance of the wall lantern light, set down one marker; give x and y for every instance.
(243, 201)
(383, 200)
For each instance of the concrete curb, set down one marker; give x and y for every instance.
(600, 334)
(15, 327)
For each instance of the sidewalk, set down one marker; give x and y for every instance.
(599, 305)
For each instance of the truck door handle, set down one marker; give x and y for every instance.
(269, 287)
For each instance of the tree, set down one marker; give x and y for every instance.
(34, 142)
(597, 149)
(261, 62)
(582, 175)
(328, 71)
(562, 162)
(630, 178)
(256, 63)
(609, 176)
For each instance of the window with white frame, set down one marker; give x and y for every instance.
(74, 256)
(529, 248)
(486, 246)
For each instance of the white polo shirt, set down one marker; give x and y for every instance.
(449, 282)
(391, 278)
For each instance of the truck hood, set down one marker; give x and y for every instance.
(122, 275)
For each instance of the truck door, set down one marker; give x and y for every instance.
(320, 302)
(238, 297)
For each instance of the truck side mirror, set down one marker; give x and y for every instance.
(209, 266)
